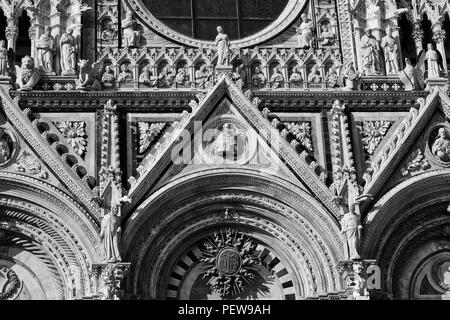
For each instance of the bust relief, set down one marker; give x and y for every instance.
(441, 145)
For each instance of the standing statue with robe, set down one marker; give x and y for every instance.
(223, 48)
(432, 58)
(370, 54)
(390, 49)
(131, 36)
(351, 228)
(110, 234)
(45, 50)
(69, 48)
(305, 32)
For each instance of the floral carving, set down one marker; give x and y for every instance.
(417, 162)
(302, 133)
(75, 133)
(373, 132)
(147, 133)
(11, 285)
(28, 163)
(229, 257)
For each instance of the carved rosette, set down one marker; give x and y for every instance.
(373, 132)
(75, 133)
(229, 256)
(9, 283)
(302, 133)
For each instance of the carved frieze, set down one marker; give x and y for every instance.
(28, 163)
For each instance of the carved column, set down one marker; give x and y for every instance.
(285, 76)
(11, 32)
(56, 31)
(346, 32)
(417, 36)
(358, 34)
(396, 36)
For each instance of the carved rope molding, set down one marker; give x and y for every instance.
(49, 156)
(399, 143)
(286, 18)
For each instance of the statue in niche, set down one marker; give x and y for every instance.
(277, 77)
(45, 50)
(165, 77)
(27, 75)
(314, 75)
(181, 76)
(223, 48)
(5, 149)
(69, 49)
(327, 37)
(296, 77)
(351, 76)
(305, 32)
(390, 49)
(332, 77)
(88, 77)
(441, 146)
(258, 78)
(3, 59)
(125, 74)
(227, 144)
(351, 227)
(110, 234)
(412, 77)
(370, 53)
(146, 76)
(434, 61)
(108, 77)
(132, 37)
(203, 76)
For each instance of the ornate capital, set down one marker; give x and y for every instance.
(439, 35)
(417, 32)
(11, 32)
(109, 278)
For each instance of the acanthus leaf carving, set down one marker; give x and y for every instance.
(417, 161)
(373, 132)
(302, 133)
(28, 163)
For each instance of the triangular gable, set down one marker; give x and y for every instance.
(155, 165)
(66, 175)
(397, 147)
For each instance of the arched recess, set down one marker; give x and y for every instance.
(46, 236)
(407, 231)
(276, 214)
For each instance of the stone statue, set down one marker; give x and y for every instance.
(3, 59)
(69, 49)
(125, 74)
(370, 54)
(5, 150)
(314, 75)
(296, 77)
(441, 146)
(432, 58)
(181, 77)
(89, 75)
(45, 50)
(412, 77)
(223, 48)
(258, 78)
(132, 37)
(359, 282)
(305, 32)
(108, 77)
(203, 76)
(225, 144)
(390, 48)
(351, 228)
(277, 77)
(146, 75)
(332, 77)
(110, 234)
(327, 37)
(351, 76)
(27, 75)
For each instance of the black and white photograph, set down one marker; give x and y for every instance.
(223, 157)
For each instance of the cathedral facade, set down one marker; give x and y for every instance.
(226, 149)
